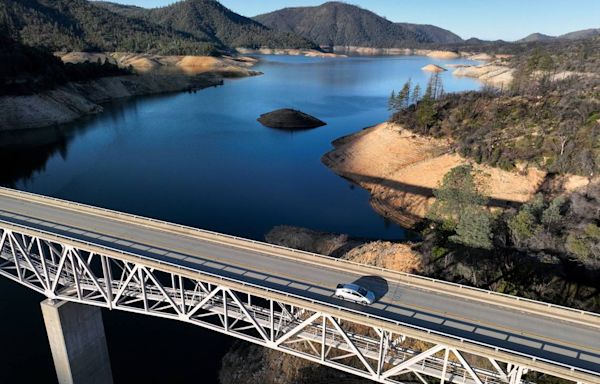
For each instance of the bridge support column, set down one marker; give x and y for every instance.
(78, 343)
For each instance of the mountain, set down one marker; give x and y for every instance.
(340, 24)
(208, 19)
(475, 40)
(576, 35)
(433, 33)
(536, 37)
(583, 34)
(78, 25)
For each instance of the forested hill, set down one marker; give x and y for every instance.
(28, 70)
(195, 27)
(576, 35)
(434, 34)
(208, 19)
(78, 25)
(340, 24)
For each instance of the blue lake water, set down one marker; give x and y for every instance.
(203, 160)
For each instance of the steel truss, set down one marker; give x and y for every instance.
(64, 272)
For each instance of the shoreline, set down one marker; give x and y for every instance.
(156, 74)
(401, 169)
(153, 75)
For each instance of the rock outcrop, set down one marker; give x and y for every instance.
(493, 74)
(289, 119)
(433, 68)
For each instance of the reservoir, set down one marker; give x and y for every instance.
(202, 159)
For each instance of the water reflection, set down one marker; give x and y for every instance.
(202, 159)
(25, 153)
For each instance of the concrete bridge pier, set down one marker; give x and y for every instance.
(77, 341)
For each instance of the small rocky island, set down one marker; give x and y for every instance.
(290, 119)
(433, 68)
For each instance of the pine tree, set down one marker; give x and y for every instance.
(425, 108)
(416, 94)
(404, 95)
(392, 102)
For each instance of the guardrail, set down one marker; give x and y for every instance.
(334, 307)
(448, 288)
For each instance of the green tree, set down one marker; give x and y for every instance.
(592, 231)
(552, 216)
(457, 192)
(426, 113)
(577, 247)
(404, 95)
(522, 226)
(400, 101)
(460, 207)
(416, 94)
(474, 228)
(392, 102)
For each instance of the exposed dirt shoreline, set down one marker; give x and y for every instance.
(155, 75)
(433, 53)
(401, 169)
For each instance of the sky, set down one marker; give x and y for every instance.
(485, 19)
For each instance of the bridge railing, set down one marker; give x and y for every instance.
(525, 304)
(334, 309)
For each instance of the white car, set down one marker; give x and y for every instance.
(356, 293)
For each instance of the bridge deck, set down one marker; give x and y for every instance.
(537, 335)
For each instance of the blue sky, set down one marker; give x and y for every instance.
(487, 19)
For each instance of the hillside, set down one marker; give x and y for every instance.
(433, 33)
(209, 20)
(583, 34)
(576, 35)
(78, 25)
(548, 118)
(27, 70)
(340, 24)
(536, 37)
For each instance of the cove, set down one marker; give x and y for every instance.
(202, 159)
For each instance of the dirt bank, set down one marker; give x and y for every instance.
(401, 169)
(226, 66)
(435, 54)
(290, 52)
(495, 73)
(445, 55)
(157, 74)
(74, 100)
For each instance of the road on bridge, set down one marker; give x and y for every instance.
(565, 342)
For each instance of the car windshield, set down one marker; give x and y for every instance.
(362, 291)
